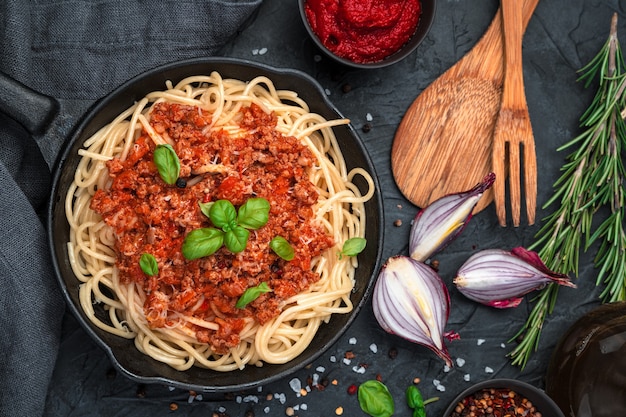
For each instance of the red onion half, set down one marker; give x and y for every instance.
(410, 300)
(435, 226)
(500, 279)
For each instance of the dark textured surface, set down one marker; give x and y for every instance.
(561, 38)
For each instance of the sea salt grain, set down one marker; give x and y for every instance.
(438, 385)
(266, 410)
(358, 369)
(352, 341)
(488, 370)
(346, 361)
(460, 361)
(369, 117)
(446, 368)
(480, 342)
(374, 348)
(333, 359)
(320, 369)
(502, 345)
(466, 377)
(296, 385)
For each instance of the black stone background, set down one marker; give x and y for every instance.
(562, 36)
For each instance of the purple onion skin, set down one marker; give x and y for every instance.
(498, 278)
(435, 226)
(411, 301)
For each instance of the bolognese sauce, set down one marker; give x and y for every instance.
(149, 216)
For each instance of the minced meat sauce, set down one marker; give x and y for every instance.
(149, 216)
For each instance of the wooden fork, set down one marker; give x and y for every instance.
(513, 128)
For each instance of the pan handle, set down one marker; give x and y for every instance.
(26, 106)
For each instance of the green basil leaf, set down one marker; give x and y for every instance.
(282, 248)
(415, 401)
(375, 399)
(222, 213)
(236, 239)
(148, 264)
(167, 163)
(353, 246)
(202, 242)
(252, 294)
(206, 207)
(254, 213)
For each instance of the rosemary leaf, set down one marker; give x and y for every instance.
(592, 177)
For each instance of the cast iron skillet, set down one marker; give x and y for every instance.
(122, 352)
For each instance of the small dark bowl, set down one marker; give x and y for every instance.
(423, 26)
(540, 400)
(122, 352)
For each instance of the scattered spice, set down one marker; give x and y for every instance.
(495, 401)
(173, 406)
(346, 88)
(366, 127)
(141, 391)
(249, 413)
(349, 355)
(397, 223)
(352, 389)
(339, 411)
(289, 411)
(393, 353)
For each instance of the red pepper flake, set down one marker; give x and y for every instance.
(349, 355)
(495, 402)
(352, 389)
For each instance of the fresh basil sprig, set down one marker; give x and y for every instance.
(231, 227)
(282, 248)
(353, 247)
(252, 294)
(167, 163)
(375, 399)
(148, 264)
(416, 402)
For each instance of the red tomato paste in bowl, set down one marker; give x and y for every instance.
(363, 31)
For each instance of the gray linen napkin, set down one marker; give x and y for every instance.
(75, 51)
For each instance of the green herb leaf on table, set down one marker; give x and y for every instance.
(282, 248)
(148, 264)
(592, 177)
(252, 294)
(167, 163)
(222, 214)
(375, 399)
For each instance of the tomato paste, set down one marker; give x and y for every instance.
(363, 30)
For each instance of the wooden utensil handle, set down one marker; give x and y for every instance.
(513, 93)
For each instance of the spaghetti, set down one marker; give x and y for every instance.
(235, 140)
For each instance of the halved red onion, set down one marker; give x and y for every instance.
(438, 224)
(500, 279)
(410, 300)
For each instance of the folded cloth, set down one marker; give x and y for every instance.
(75, 51)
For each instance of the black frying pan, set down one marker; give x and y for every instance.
(122, 352)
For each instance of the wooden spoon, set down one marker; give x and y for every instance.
(443, 143)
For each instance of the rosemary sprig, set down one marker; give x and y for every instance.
(592, 177)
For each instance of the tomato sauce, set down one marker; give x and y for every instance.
(363, 30)
(149, 216)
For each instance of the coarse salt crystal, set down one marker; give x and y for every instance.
(282, 398)
(346, 361)
(221, 409)
(304, 407)
(358, 369)
(327, 91)
(374, 348)
(251, 399)
(502, 345)
(238, 399)
(441, 388)
(488, 370)
(446, 368)
(171, 388)
(352, 341)
(466, 377)
(369, 117)
(320, 369)
(317, 58)
(266, 410)
(480, 342)
(436, 382)
(296, 385)
(460, 361)
(262, 51)
(333, 359)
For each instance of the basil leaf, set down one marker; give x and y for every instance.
(148, 264)
(415, 401)
(236, 239)
(167, 163)
(202, 242)
(222, 213)
(252, 294)
(282, 248)
(254, 214)
(205, 208)
(375, 399)
(353, 246)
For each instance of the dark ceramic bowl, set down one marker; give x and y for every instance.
(540, 400)
(425, 22)
(587, 372)
(122, 352)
